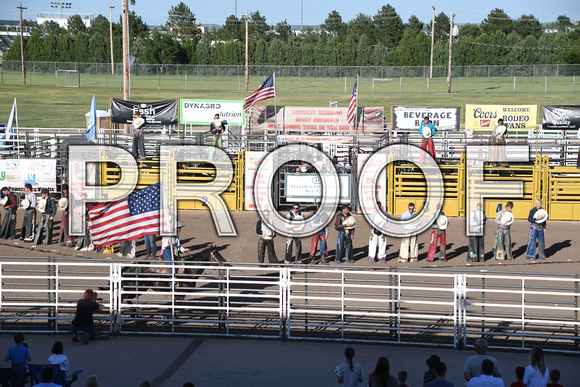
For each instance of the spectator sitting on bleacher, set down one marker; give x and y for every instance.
(57, 358)
(46, 378)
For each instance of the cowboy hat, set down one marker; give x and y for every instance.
(507, 217)
(426, 132)
(138, 122)
(63, 203)
(501, 130)
(179, 225)
(42, 205)
(433, 359)
(349, 223)
(4, 200)
(25, 203)
(442, 222)
(541, 215)
(304, 168)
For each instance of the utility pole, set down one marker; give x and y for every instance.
(450, 53)
(301, 15)
(247, 75)
(111, 37)
(126, 69)
(432, 42)
(20, 7)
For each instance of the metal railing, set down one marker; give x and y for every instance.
(403, 306)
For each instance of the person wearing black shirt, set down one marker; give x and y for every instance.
(83, 320)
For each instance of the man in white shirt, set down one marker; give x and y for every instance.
(486, 379)
(409, 242)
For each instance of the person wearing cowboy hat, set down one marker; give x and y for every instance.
(266, 241)
(438, 234)
(293, 215)
(427, 130)
(45, 224)
(11, 206)
(137, 127)
(477, 222)
(430, 374)
(409, 244)
(63, 237)
(538, 219)
(498, 137)
(29, 221)
(503, 238)
(377, 239)
(217, 128)
(171, 248)
(345, 236)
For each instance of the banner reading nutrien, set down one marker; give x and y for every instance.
(514, 116)
(410, 117)
(561, 117)
(161, 113)
(317, 119)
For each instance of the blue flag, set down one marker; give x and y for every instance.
(92, 124)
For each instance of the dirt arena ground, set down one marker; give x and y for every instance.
(562, 239)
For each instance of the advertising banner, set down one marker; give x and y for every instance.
(561, 117)
(201, 112)
(314, 139)
(252, 161)
(41, 173)
(317, 119)
(482, 117)
(307, 187)
(379, 186)
(158, 113)
(411, 117)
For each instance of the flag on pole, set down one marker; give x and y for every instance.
(353, 102)
(127, 219)
(265, 91)
(92, 124)
(12, 121)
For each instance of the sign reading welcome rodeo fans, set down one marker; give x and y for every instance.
(410, 117)
(158, 113)
(561, 117)
(480, 117)
(201, 112)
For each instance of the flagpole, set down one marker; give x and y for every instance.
(356, 108)
(17, 134)
(275, 104)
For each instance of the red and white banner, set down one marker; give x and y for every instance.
(315, 139)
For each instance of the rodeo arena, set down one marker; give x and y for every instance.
(218, 241)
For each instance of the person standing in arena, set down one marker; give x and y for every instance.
(266, 241)
(503, 239)
(537, 218)
(427, 130)
(10, 205)
(138, 126)
(45, 224)
(477, 222)
(409, 242)
(377, 238)
(344, 224)
(294, 214)
(321, 235)
(29, 221)
(217, 129)
(63, 237)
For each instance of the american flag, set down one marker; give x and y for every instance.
(127, 219)
(265, 91)
(352, 105)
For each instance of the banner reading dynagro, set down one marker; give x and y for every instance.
(561, 117)
(162, 113)
(514, 116)
(410, 117)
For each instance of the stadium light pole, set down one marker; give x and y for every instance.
(450, 52)
(126, 69)
(301, 15)
(432, 42)
(57, 4)
(111, 37)
(21, 8)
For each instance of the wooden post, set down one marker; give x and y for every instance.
(126, 69)
(432, 42)
(450, 52)
(247, 75)
(20, 7)
(111, 37)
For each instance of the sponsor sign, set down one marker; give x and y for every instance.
(411, 117)
(307, 187)
(315, 139)
(157, 113)
(367, 186)
(201, 112)
(514, 116)
(252, 161)
(561, 117)
(316, 119)
(41, 173)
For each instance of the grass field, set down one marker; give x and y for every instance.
(42, 104)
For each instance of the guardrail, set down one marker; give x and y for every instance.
(390, 305)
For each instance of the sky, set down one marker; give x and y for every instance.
(314, 11)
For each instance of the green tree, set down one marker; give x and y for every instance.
(13, 52)
(257, 26)
(563, 22)
(276, 52)
(283, 30)
(421, 51)
(233, 53)
(97, 49)
(137, 27)
(75, 25)
(471, 31)
(181, 23)
(442, 24)
(334, 25)
(364, 51)
(81, 47)
(64, 46)
(414, 26)
(497, 20)
(33, 47)
(528, 25)
(389, 26)
(261, 53)
(233, 29)
(203, 51)
(309, 36)
(49, 27)
(362, 25)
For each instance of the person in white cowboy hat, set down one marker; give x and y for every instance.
(409, 243)
(538, 219)
(29, 221)
(438, 234)
(503, 238)
(498, 136)
(137, 127)
(266, 241)
(477, 222)
(293, 214)
(427, 130)
(377, 238)
(45, 224)
(171, 248)
(217, 128)
(7, 230)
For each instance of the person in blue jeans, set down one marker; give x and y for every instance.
(537, 230)
(83, 320)
(345, 236)
(19, 355)
(150, 246)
